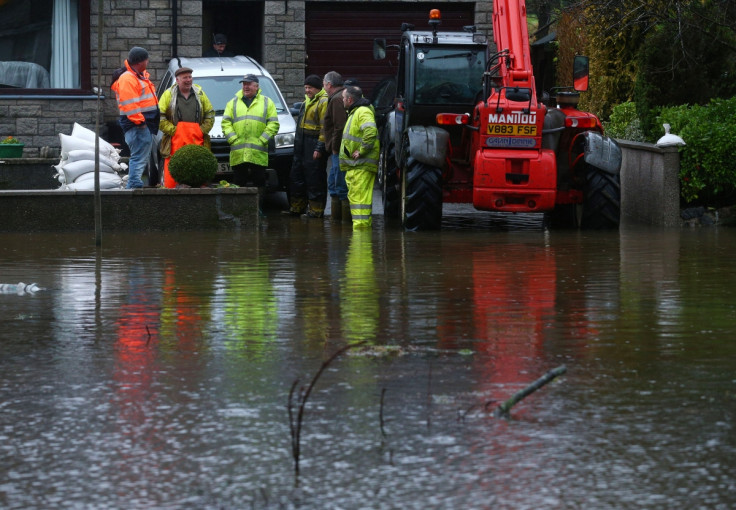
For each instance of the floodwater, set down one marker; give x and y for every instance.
(156, 371)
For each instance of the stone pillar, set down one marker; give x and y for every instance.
(284, 43)
(650, 184)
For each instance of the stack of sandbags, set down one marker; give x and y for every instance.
(76, 169)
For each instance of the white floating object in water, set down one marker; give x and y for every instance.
(19, 288)
(669, 140)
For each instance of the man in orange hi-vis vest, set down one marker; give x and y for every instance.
(139, 113)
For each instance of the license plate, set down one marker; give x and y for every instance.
(223, 167)
(512, 129)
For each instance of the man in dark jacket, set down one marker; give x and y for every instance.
(219, 43)
(331, 135)
(308, 179)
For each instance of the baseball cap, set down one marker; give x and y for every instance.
(249, 77)
(220, 39)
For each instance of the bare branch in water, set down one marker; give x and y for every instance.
(296, 426)
(380, 413)
(503, 409)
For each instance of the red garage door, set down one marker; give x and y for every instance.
(340, 35)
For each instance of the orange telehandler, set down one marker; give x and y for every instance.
(466, 125)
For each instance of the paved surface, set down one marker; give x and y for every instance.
(454, 216)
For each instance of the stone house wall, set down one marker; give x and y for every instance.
(37, 120)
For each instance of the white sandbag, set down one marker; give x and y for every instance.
(90, 185)
(73, 169)
(89, 135)
(103, 177)
(70, 143)
(60, 175)
(87, 183)
(82, 154)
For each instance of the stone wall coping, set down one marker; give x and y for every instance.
(29, 161)
(646, 146)
(132, 192)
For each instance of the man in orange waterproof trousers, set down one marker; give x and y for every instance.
(186, 118)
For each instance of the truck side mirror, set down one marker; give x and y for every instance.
(580, 73)
(379, 49)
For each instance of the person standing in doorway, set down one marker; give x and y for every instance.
(139, 113)
(218, 49)
(250, 121)
(331, 135)
(187, 116)
(359, 152)
(308, 180)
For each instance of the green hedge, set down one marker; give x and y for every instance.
(707, 162)
(624, 123)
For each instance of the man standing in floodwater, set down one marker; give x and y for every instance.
(359, 152)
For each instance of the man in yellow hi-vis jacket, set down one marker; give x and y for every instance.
(249, 122)
(359, 152)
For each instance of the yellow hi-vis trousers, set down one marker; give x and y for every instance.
(360, 194)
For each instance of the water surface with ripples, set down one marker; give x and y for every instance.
(155, 371)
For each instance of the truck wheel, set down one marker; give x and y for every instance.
(421, 196)
(602, 200)
(388, 181)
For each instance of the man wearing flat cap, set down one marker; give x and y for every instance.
(187, 116)
(308, 177)
(249, 123)
(219, 43)
(139, 114)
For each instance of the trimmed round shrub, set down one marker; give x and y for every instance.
(193, 165)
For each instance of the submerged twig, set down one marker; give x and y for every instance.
(380, 413)
(296, 426)
(292, 430)
(429, 397)
(503, 409)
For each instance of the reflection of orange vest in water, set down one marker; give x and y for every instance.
(187, 133)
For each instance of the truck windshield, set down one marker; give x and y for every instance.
(221, 89)
(448, 75)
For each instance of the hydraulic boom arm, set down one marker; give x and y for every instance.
(512, 38)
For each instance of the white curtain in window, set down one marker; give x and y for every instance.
(65, 45)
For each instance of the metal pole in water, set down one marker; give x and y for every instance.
(98, 202)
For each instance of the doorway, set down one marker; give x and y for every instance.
(241, 22)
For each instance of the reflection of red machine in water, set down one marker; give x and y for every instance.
(181, 314)
(138, 334)
(514, 295)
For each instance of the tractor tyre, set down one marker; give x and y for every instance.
(388, 180)
(564, 216)
(421, 196)
(602, 200)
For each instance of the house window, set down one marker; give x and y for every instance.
(43, 45)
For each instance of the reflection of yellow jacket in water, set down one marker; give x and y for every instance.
(360, 311)
(249, 306)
